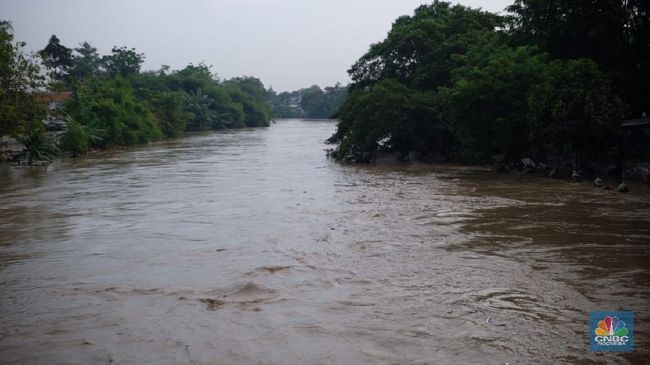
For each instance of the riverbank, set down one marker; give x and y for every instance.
(637, 174)
(634, 174)
(10, 148)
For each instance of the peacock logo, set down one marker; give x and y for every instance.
(611, 331)
(611, 326)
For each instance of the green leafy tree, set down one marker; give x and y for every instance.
(256, 114)
(285, 105)
(79, 138)
(57, 58)
(250, 85)
(406, 70)
(20, 76)
(314, 104)
(123, 61)
(486, 105)
(111, 105)
(615, 34)
(169, 110)
(191, 78)
(228, 112)
(573, 111)
(235, 103)
(76, 138)
(86, 63)
(335, 97)
(199, 106)
(39, 146)
(389, 117)
(418, 48)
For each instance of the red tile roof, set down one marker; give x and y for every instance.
(54, 96)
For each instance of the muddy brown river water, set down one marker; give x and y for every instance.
(251, 247)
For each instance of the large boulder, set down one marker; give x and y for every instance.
(639, 172)
(55, 125)
(576, 176)
(598, 182)
(10, 148)
(528, 163)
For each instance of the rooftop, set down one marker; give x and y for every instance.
(53, 96)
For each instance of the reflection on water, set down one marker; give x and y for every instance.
(250, 247)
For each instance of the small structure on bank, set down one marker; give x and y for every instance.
(53, 101)
(54, 123)
(636, 149)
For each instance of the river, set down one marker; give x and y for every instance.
(251, 247)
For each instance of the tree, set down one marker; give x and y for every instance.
(169, 110)
(613, 33)
(417, 51)
(57, 58)
(256, 114)
(335, 97)
(257, 111)
(486, 105)
(406, 70)
(250, 85)
(572, 110)
(210, 103)
(85, 63)
(192, 77)
(19, 77)
(388, 117)
(123, 61)
(111, 105)
(314, 104)
(285, 105)
(76, 138)
(202, 116)
(39, 146)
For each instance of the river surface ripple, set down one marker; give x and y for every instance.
(251, 247)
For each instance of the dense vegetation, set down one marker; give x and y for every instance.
(549, 79)
(114, 103)
(19, 75)
(310, 103)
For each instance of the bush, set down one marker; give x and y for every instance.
(76, 138)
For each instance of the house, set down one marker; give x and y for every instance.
(53, 101)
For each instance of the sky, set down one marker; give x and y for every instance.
(288, 44)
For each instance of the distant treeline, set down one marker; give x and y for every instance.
(112, 102)
(310, 103)
(549, 78)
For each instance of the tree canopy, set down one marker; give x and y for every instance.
(57, 58)
(311, 103)
(20, 77)
(450, 81)
(115, 103)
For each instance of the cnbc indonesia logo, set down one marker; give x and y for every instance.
(611, 331)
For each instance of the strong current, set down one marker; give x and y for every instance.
(252, 247)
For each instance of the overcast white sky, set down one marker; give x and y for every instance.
(288, 44)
